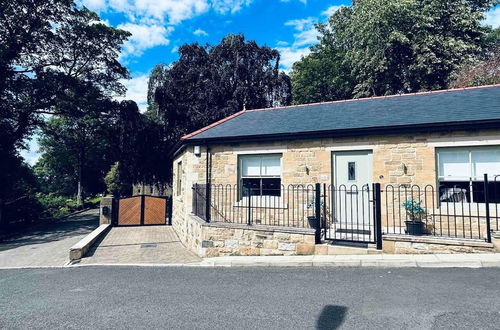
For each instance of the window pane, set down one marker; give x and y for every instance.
(250, 166)
(493, 192)
(454, 191)
(250, 187)
(487, 161)
(454, 165)
(271, 165)
(271, 187)
(351, 171)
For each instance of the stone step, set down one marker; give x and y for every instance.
(332, 249)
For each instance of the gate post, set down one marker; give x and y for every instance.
(108, 210)
(142, 209)
(377, 212)
(207, 202)
(168, 210)
(317, 213)
(249, 211)
(487, 202)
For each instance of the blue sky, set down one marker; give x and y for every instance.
(159, 27)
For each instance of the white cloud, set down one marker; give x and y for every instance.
(306, 35)
(303, 1)
(165, 11)
(151, 21)
(175, 49)
(137, 90)
(330, 10)
(290, 55)
(95, 5)
(144, 37)
(229, 6)
(493, 17)
(200, 33)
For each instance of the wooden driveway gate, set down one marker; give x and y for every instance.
(142, 210)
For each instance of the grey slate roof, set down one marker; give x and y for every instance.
(437, 108)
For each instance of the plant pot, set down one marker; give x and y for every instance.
(312, 221)
(415, 228)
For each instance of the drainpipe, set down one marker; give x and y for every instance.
(207, 182)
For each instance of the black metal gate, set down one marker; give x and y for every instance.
(351, 213)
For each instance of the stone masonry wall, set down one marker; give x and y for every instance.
(216, 239)
(220, 240)
(426, 245)
(397, 160)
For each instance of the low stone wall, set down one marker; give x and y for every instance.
(403, 244)
(189, 232)
(223, 239)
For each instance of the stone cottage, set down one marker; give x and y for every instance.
(260, 170)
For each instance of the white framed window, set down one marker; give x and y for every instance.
(461, 173)
(260, 175)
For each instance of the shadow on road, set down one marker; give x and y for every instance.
(331, 317)
(54, 231)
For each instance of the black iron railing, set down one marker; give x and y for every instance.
(445, 211)
(292, 206)
(357, 214)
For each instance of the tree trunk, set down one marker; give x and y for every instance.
(79, 194)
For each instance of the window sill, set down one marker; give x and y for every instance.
(466, 206)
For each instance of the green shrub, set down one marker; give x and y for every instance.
(93, 202)
(414, 210)
(56, 206)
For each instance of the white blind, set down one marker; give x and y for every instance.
(250, 166)
(268, 165)
(486, 161)
(271, 165)
(454, 165)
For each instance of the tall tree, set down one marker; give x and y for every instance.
(77, 152)
(485, 72)
(73, 156)
(51, 52)
(393, 46)
(208, 83)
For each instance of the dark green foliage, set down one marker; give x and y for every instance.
(208, 83)
(56, 206)
(55, 58)
(380, 47)
(114, 181)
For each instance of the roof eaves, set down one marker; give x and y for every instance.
(187, 136)
(395, 129)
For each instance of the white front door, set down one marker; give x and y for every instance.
(352, 179)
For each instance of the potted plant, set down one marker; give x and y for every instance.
(416, 213)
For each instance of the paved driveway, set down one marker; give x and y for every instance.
(147, 244)
(48, 244)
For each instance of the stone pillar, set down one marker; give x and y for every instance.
(106, 210)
